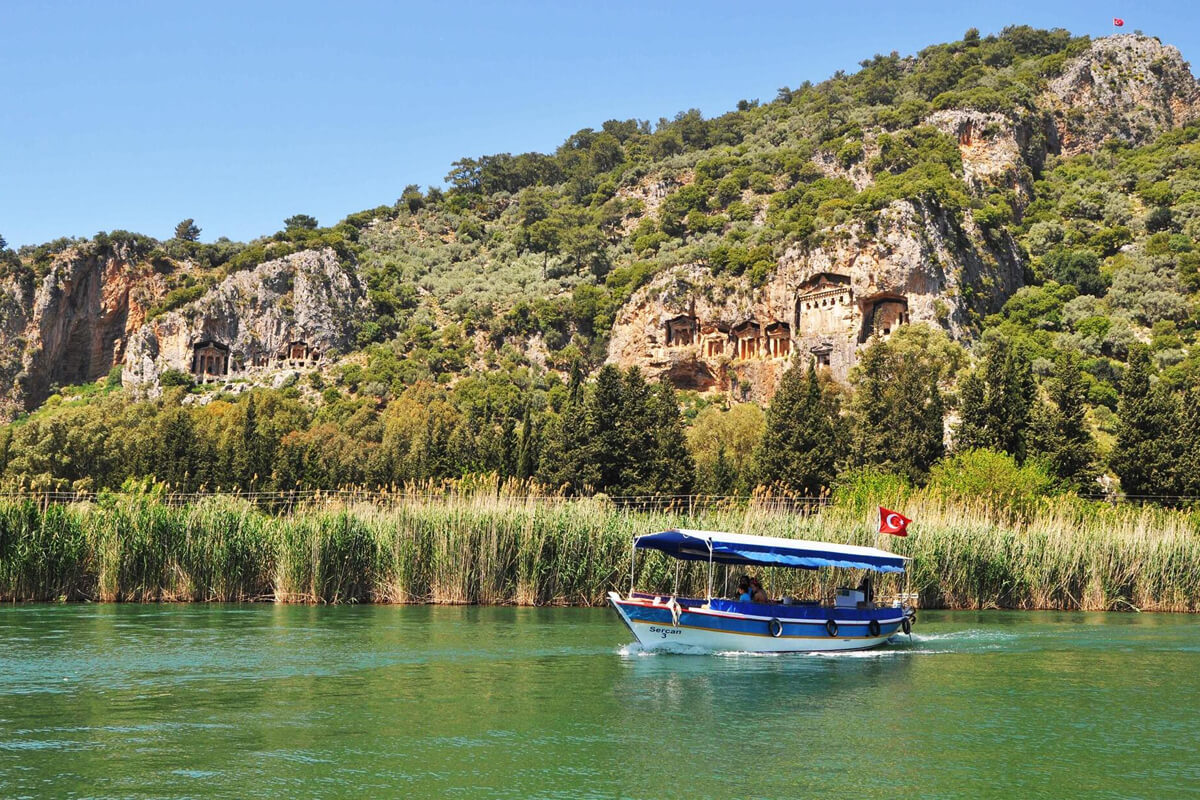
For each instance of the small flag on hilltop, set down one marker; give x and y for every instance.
(1118, 22)
(893, 523)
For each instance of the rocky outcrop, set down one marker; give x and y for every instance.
(915, 264)
(1129, 87)
(908, 263)
(998, 151)
(74, 326)
(294, 311)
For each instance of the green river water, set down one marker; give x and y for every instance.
(299, 702)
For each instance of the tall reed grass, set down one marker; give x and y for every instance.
(495, 544)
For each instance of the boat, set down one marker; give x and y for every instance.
(850, 620)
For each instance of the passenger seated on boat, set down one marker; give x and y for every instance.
(743, 592)
(757, 595)
(864, 586)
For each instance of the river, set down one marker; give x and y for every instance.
(266, 701)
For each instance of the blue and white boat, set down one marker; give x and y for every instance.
(849, 621)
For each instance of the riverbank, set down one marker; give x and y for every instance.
(496, 547)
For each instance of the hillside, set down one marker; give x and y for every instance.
(1030, 187)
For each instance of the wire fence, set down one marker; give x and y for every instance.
(690, 504)
(309, 499)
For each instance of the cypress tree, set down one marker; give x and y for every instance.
(1147, 447)
(971, 433)
(722, 479)
(996, 401)
(635, 433)
(897, 412)
(526, 447)
(245, 444)
(799, 448)
(566, 461)
(1059, 432)
(670, 469)
(606, 446)
(1188, 481)
(175, 448)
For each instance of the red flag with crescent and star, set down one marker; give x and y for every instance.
(1118, 22)
(892, 522)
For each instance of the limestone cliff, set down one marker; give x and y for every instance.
(295, 311)
(909, 262)
(74, 326)
(1129, 87)
(914, 264)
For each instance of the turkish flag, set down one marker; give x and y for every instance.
(893, 523)
(1118, 22)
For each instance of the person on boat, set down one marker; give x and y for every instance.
(757, 595)
(743, 593)
(864, 586)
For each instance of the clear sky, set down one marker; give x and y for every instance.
(136, 115)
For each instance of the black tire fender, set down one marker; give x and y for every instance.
(873, 627)
(831, 628)
(906, 625)
(775, 627)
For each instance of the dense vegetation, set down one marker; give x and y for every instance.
(491, 543)
(494, 296)
(623, 436)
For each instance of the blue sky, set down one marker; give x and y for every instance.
(137, 115)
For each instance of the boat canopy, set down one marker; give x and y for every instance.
(771, 551)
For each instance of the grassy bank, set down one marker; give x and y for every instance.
(497, 547)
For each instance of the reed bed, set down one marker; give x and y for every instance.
(492, 544)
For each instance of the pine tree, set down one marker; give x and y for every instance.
(799, 448)
(187, 231)
(1148, 445)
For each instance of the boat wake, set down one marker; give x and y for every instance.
(970, 640)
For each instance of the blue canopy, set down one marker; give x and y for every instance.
(740, 548)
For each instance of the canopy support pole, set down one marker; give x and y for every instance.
(632, 558)
(710, 572)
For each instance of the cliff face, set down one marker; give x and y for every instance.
(910, 262)
(293, 312)
(73, 328)
(1128, 87)
(917, 264)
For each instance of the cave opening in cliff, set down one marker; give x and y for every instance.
(882, 315)
(681, 331)
(210, 359)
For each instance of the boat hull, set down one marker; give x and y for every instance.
(658, 624)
